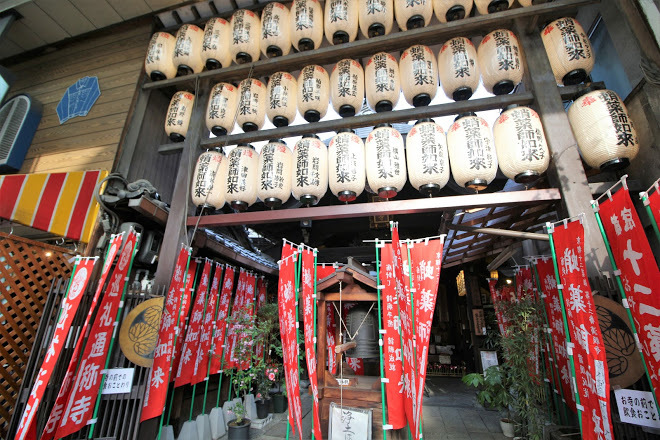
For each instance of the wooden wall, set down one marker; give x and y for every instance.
(116, 57)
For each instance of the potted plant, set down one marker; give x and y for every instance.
(494, 393)
(239, 428)
(263, 383)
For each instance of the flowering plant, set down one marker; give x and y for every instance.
(238, 409)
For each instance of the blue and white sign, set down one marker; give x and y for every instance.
(78, 98)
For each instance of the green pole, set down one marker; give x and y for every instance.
(380, 345)
(398, 309)
(645, 199)
(298, 262)
(550, 229)
(208, 364)
(594, 205)
(314, 340)
(412, 315)
(90, 433)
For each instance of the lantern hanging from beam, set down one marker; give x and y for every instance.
(215, 47)
(346, 165)
(527, 3)
(221, 110)
(275, 169)
(244, 44)
(522, 151)
(382, 82)
(376, 17)
(282, 93)
(419, 75)
(313, 93)
(309, 181)
(158, 63)
(569, 51)
(413, 14)
(242, 177)
(451, 10)
(187, 50)
(178, 116)
(499, 61)
(472, 155)
(347, 87)
(306, 24)
(427, 157)
(341, 21)
(251, 104)
(386, 161)
(458, 67)
(275, 30)
(605, 134)
(490, 6)
(209, 183)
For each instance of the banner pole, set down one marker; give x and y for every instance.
(624, 298)
(412, 316)
(645, 199)
(92, 425)
(569, 350)
(314, 340)
(206, 301)
(222, 353)
(208, 364)
(380, 344)
(297, 281)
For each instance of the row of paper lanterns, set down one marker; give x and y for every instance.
(246, 35)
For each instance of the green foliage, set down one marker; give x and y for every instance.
(239, 411)
(494, 388)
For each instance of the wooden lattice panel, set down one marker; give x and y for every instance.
(26, 273)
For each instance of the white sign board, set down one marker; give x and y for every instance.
(118, 381)
(488, 359)
(349, 423)
(637, 408)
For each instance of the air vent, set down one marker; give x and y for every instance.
(19, 119)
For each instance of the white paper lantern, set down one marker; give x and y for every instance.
(215, 47)
(251, 104)
(427, 157)
(500, 62)
(490, 6)
(282, 99)
(244, 44)
(386, 161)
(451, 10)
(209, 183)
(413, 14)
(382, 82)
(275, 170)
(346, 162)
(527, 3)
(242, 177)
(376, 17)
(569, 51)
(187, 50)
(605, 134)
(472, 154)
(313, 93)
(347, 87)
(275, 30)
(459, 70)
(522, 151)
(158, 63)
(221, 110)
(306, 24)
(340, 21)
(419, 75)
(178, 115)
(309, 181)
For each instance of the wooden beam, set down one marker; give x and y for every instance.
(149, 209)
(204, 241)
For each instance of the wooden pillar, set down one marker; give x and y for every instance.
(321, 342)
(566, 171)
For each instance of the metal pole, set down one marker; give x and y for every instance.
(208, 364)
(314, 340)
(380, 345)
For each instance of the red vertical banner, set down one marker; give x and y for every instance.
(550, 295)
(262, 285)
(184, 373)
(200, 369)
(309, 301)
(654, 203)
(245, 346)
(186, 301)
(219, 337)
(639, 274)
(426, 261)
(496, 297)
(77, 285)
(80, 406)
(286, 294)
(156, 392)
(524, 282)
(231, 349)
(356, 364)
(331, 322)
(587, 348)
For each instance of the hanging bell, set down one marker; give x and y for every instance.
(451, 10)
(275, 30)
(313, 93)
(376, 17)
(491, 6)
(413, 15)
(244, 44)
(282, 93)
(360, 320)
(341, 21)
(347, 87)
(187, 50)
(158, 63)
(221, 109)
(215, 47)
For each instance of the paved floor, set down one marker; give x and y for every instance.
(451, 412)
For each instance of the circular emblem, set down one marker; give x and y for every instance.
(139, 332)
(77, 283)
(125, 255)
(108, 261)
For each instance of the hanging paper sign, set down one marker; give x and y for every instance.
(221, 321)
(65, 389)
(79, 279)
(391, 342)
(200, 369)
(81, 403)
(591, 376)
(330, 338)
(262, 285)
(309, 304)
(524, 283)
(191, 343)
(186, 301)
(639, 274)
(637, 408)
(156, 392)
(118, 381)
